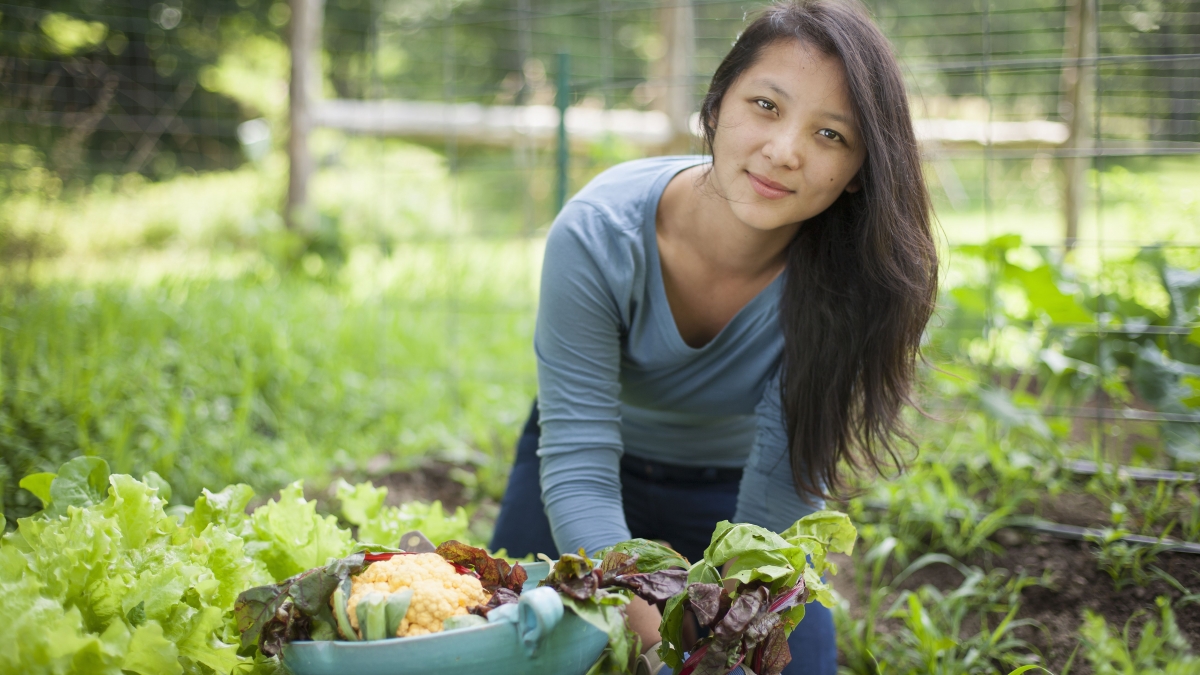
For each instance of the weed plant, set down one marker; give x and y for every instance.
(1161, 649)
(1125, 563)
(967, 630)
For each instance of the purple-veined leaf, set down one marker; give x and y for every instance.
(773, 654)
(502, 596)
(615, 564)
(740, 614)
(493, 573)
(705, 600)
(654, 587)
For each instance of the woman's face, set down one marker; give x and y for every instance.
(786, 144)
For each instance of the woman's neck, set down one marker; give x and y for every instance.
(693, 216)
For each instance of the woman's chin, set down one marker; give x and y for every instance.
(763, 217)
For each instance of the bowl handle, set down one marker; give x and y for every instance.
(538, 612)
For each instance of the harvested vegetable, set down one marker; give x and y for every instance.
(596, 593)
(753, 605)
(437, 592)
(372, 595)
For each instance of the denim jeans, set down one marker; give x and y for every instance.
(682, 513)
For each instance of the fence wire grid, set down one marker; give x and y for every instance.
(1074, 125)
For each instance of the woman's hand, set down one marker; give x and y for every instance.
(644, 618)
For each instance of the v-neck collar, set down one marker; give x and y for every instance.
(655, 276)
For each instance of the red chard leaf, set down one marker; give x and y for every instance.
(493, 573)
(689, 666)
(256, 610)
(760, 627)
(773, 654)
(654, 587)
(705, 600)
(616, 563)
(740, 614)
(502, 596)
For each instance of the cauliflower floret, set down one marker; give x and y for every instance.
(439, 592)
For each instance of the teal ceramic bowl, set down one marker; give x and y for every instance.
(542, 639)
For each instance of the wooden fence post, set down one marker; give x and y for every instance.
(677, 22)
(303, 90)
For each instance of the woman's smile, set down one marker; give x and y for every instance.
(767, 188)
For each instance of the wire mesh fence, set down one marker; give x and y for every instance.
(1061, 141)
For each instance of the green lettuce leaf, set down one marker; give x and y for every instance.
(81, 482)
(107, 582)
(39, 485)
(290, 538)
(226, 509)
(363, 506)
(651, 555)
(821, 533)
(150, 653)
(623, 645)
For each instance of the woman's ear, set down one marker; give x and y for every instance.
(854, 185)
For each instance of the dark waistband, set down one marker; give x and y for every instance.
(657, 472)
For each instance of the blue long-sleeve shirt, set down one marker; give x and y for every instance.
(615, 376)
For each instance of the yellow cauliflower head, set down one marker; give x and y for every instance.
(439, 592)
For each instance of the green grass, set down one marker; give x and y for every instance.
(265, 379)
(1139, 201)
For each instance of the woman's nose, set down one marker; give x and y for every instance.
(784, 150)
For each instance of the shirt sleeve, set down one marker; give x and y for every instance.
(578, 348)
(767, 496)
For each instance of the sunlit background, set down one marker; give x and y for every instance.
(169, 301)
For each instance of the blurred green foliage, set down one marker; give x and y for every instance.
(255, 378)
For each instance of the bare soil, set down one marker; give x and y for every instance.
(429, 481)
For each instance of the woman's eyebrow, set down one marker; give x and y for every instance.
(764, 82)
(828, 114)
(838, 117)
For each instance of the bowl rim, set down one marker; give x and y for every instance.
(408, 640)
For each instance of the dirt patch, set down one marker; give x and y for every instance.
(1075, 583)
(429, 481)
(1075, 508)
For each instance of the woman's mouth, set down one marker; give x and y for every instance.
(766, 188)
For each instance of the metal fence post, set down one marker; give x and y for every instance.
(562, 99)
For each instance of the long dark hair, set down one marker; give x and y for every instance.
(861, 278)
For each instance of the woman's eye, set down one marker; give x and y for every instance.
(830, 134)
(765, 105)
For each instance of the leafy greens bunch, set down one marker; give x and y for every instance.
(749, 591)
(105, 581)
(108, 579)
(596, 593)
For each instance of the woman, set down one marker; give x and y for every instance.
(716, 336)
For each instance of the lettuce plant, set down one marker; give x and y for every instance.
(105, 581)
